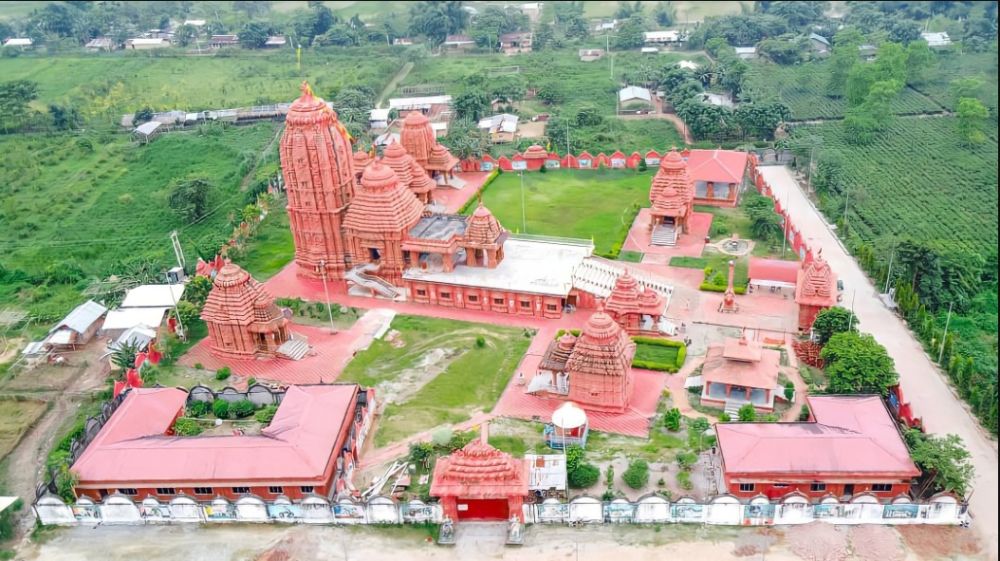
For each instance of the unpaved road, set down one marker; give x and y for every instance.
(923, 384)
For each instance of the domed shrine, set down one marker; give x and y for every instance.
(479, 482)
(815, 290)
(242, 319)
(671, 194)
(417, 137)
(635, 311)
(409, 171)
(594, 369)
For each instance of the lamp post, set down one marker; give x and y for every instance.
(524, 220)
(326, 292)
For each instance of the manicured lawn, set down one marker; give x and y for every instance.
(656, 353)
(271, 247)
(719, 262)
(570, 203)
(16, 417)
(433, 373)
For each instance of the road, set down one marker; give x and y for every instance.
(923, 384)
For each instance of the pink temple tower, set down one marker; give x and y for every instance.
(318, 167)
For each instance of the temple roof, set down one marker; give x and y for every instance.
(417, 137)
(817, 284)
(237, 299)
(535, 152)
(315, 146)
(557, 353)
(421, 182)
(382, 204)
(479, 471)
(624, 298)
(441, 159)
(650, 302)
(741, 364)
(395, 156)
(672, 191)
(603, 348)
(309, 109)
(484, 228)
(361, 159)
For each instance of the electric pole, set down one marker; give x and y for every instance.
(944, 337)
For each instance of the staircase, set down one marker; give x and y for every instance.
(732, 408)
(295, 348)
(597, 276)
(664, 235)
(362, 276)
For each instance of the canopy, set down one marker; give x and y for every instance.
(569, 416)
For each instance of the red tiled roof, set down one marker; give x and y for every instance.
(479, 471)
(741, 365)
(773, 270)
(382, 204)
(298, 445)
(816, 284)
(852, 436)
(717, 166)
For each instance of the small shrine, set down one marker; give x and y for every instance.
(738, 372)
(728, 304)
(417, 137)
(569, 427)
(484, 237)
(534, 157)
(672, 195)
(637, 312)
(409, 172)
(815, 290)
(479, 482)
(441, 164)
(242, 319)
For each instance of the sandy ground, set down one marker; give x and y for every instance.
(475, 542)
(923, 384)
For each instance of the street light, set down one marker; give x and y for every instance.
(524, 220)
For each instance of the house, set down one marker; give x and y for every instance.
(219, 41)
(633, 99)
(100, 44)
(719, 176)
(740, 372)
(147, 131)
(850, 446)
(670, 37)
(775, 275)
(867, 53)
(513, 43)
(458, 43)
(649, 50)
(605, 26)
(590, 55)
(153, 296)
(195, 22)
(500, 128)
(275, 42)
(819, 43)
(18, 42)
(145, 43)
(936, 39)
(310, 448)
(378, 119)
(77, 328)
(423, 104)
(139, 335)
(746, 53)
(402, 41)
(121, 320)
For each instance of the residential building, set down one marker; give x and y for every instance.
(633, 99)
(501, 128)
(145, 43)
(275, 42)
(819, 44)
(936, 39)
(219, 41)
(100, 44)
(740, 372)
(458, 43)
(668, 37)
(513, 43)
(77, 328)
(18, 43)
(746, 53)
(590, 55)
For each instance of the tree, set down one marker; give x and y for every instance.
(890, 63)
(747, 414)
(944, 461)
(672, 420)
(798, 14)
(252, 8)
(857, 363)
(575, 27)
(254, 35)
(124, 356)
(636, 475)
(843, 59)
(665, 14)
(904, 30)
(783, 50)
(969, 86)
(972, 115)
(919, 59)
(189, 197)
(466, 140)
(545, 37)
(437, 20)
(628, 9)
(220, 408)
(831, 321)
(185, 34)
(631, 34)
(588, 115)
(472, 104)
(197, 290)
(64, 117)
(188, 313)
(15, 97)
(494, 21)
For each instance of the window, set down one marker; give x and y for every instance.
(129, 492)
(881, 487)
(746, 487)
(473, 298)
(525, 304)
(817, 487)
(166, 491)
(498, 301)
(445, 295)
(241, 490)
(421, 292)
(307, 488)
(276, 489)
(551, 307)
(203, 491)
(779, 485)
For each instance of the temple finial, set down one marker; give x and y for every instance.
(306, 89)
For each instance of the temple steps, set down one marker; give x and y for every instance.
(598, 276)
(732, 408)
(665, 236)
(361, 276)
(295, 348)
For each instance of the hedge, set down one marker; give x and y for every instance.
(707, 287)
(474, 200)
(662, 366)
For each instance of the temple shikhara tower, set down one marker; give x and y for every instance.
(671, 195)
(635, 311)
(417, 138)
(242, 319)
(318, 167)
(815, 289)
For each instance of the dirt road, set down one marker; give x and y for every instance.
(923, 384)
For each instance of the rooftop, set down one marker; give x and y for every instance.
(125, 318)
(298, 445)
(153, 296)
(479, 471)
(418, 102)
(82, 317)
(439, 227)
(775, 271)
(717, 166)
(850, 435)
(629, 93)
(536, 266)
(741, 364)
(504, 122)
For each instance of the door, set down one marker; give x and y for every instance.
(849, 489)
(483, 509)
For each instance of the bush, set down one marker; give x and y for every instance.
(242, 409)
(220, 408)
(480, 341)
(684, 480)
(199, 366)
(672, 420)
(789, 391)
(251, 381)
(266, 414)
(686, 460)
(725, 418)
(584, 476)
(223, 373)
(747, 414)
(609, 476)
(660, 482)
(199, 409)
(637, 474)
(187, 427)
(804, 413)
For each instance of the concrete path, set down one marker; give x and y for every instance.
(923, 383)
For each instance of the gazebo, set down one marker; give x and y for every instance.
(242, 319)
(569, 427)
(479, 482)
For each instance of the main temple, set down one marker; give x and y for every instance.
(369, 225)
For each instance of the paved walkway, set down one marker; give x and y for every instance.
(923, 384)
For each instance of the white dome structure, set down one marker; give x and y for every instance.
(569, 416)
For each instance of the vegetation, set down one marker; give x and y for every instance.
(220, 408)
(637, 474)
(579, 473)
(857, 363)
(830, 321)
(747, 414)
(944, 461)
(187, 427)
(17, 415)
(672, 420)
(659, 354)
(265, 414)
(223, 373)
(242, 409)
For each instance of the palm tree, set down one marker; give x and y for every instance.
(124, 356)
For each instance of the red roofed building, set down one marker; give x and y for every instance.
(815, 290)
(773, 273)
(738, 372)
(479, 482)
(637, 312)
(850, 445)
(241, 316)
(310, 447)
(718, 175)
(441, 163)
(417, 137)
(534, 157)
(671, 194)
(318, 166)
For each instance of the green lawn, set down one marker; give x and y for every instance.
(656, 353)
(271, 247)
(471, 378)
(570, 203)
(719, 262)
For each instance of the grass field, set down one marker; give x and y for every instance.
(271, 247)
(100, 201)
(434, 373)
(16, 417)
(569, 203)
(656, 353)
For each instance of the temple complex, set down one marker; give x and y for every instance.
(594, 369)
(479, 482)
(318, 167)
(672, 195)
(408, 171)
(636, 312)
(242, 319)
(815, 290)
(419, 141)
(738, 372)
